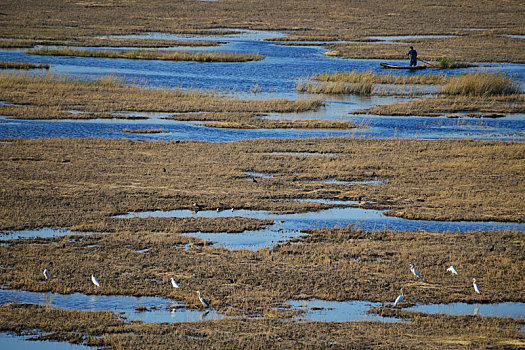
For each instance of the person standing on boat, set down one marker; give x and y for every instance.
(413, 56)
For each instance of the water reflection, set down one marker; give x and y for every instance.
(508, 309)
(288, 226)
(338, 311)
(275, 77)
(145, 309)
(15, 342)
(42, 233)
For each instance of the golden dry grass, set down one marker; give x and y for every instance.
(143, 131)
(56, 182)
(22, 65)
(355, 77)
(482, 84)
(307, 19)
(329, 264)
(55, 97)
(436, 106)
(467, 47)
(363, 88)
(150, 55)
(256, 121)
(100, 329)
(107, 42)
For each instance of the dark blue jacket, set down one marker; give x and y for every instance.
(412, 53)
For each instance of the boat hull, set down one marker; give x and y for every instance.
(393, 66)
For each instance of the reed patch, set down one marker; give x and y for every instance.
(22, 65)
(151, 55)
(59, 97)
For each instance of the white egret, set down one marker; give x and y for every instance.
(174, 284)
(95, 281)
(476, 288)
(452, 270)
(203, 301)
(399, 298)
(414, 271)
(46, 274)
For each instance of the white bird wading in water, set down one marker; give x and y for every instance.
(399, 298)
(203, 301)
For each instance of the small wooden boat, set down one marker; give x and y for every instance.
(393, 66)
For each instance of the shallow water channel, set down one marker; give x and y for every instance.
(356, 310)
(145, 309)
(13, 341)
(275, 77)
(288, 226)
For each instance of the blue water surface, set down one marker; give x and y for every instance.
(275, 77)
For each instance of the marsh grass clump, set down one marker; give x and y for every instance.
(143, 131)
(482, 84)
(436, 106)
(337, 88)
(452, 63)
(51, 96)
(11, 44)
(150, 55)
(369, 77)
(22, 65)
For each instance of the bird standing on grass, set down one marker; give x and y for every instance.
(476, 288)
(203, 301)
(399, 298)
(414, 271)
(174, 284)
(452, 270)
(95, 281)
(46, 274)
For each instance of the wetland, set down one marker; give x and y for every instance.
(292, 184)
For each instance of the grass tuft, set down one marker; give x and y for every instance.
(22, 65)
(482, 84)
(150, 55)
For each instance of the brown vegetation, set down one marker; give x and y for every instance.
(330, 264)
(482, 84)
(107, 42)
(356, 77)
(57, 97)
(255, 121)
(143, 131)
(150, 55)
(55, 182)
(103, 329)
(468, 47)
(436, 106)
(22, 65)
(307, 19)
